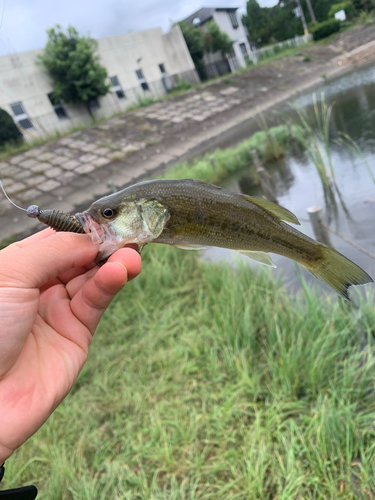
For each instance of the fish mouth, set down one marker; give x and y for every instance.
(100, 234)
(91, 227)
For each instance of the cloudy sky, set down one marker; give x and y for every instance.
(23, 22)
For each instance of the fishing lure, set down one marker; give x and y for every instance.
(59, 221)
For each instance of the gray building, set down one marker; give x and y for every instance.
(139, 64)
(229, 21)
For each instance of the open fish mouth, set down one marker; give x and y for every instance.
(101, 235)
(90, 226)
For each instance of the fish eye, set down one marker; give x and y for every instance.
(108, 213)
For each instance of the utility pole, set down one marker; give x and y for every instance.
(312, 14)
(305, 30)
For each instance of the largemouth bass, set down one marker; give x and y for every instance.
(193, 214)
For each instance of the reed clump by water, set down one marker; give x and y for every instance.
(206, 382)
(316, 138)
(219, 165)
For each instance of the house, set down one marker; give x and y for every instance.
(229, 21)
(139, 64)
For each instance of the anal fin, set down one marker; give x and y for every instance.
(261, 257)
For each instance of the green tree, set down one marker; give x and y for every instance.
(285, 24)
(74, 68)
(275, 24)
(195, 42)
(9, 132)
(217, 40)
(258, 22)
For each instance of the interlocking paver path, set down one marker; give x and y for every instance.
(44, 169)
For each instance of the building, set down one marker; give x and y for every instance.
(144, 63)
(229, 21)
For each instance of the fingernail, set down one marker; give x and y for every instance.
(120, 264)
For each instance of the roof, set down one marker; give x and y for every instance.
(206, 13)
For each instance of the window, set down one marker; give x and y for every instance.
(142, 80)
(21, 116)
(57, 106)
(233, 18)
(116, 87)
(243, 49)
(162, 68)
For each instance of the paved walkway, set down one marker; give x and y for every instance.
(76, 169)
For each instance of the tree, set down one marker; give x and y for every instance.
(258, 22)
(200, 40)
(9, 132)
(275, 24)
(195, 42)
(217, 40)
(74, 68)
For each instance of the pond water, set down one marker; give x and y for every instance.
(298, 186)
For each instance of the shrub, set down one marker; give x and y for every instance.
(182, 85)
(143, 100)
(9, 133)
(326, 28)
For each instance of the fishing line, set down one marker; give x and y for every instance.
(2, 15)
(7, 197)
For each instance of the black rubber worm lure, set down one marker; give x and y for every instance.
(59, 221)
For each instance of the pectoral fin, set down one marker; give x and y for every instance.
(261, 257)
(280, 213)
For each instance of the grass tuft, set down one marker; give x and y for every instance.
(269, 144)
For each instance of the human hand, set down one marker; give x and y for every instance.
(52, 297)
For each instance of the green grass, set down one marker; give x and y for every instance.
(209, 382)
(288, 52)
(269, 144)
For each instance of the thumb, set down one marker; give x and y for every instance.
(34, 265)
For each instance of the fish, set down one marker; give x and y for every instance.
(191, 214)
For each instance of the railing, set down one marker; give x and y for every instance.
(49, 124)
(232, 64)
(272, 50)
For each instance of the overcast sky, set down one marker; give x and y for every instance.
(24, 22)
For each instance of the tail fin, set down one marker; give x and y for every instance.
(338, 272)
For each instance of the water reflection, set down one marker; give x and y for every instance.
(354, 110)
(350, 203)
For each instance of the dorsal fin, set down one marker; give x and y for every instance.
(206, 183)
(280, 213)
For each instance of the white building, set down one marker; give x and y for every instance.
(139, 64)
(229, 21)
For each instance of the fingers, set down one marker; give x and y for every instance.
(35, 264)
(133, 265)
(34, 238)
(130, 258)
(94, 296)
